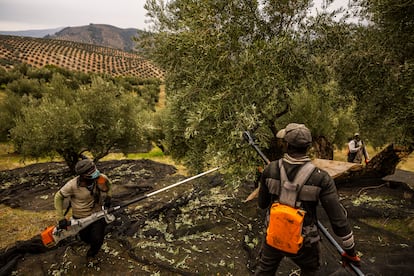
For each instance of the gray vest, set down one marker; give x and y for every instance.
(292, 193)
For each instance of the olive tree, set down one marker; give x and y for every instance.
(97, 118)
(231, 66)
(377, 70)
(10, 106)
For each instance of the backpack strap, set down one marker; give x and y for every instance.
(68, 208)
(290, 190)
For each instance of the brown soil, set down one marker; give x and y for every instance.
(201, 227)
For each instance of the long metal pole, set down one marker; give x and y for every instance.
(182, 181)
(338, 247)
(161, 190)
(250, 140)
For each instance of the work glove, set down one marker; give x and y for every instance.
(366, 161)
(107, 202)
(349, 257)
(63, 224)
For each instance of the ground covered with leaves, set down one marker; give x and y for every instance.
(202, 227)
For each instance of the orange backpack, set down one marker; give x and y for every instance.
(284, 230)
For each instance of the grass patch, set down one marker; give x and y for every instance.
(397, 226)
(342, 154)
(155, 154)
(20, 225)
(10, 160)
(407, 164)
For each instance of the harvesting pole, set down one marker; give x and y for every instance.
(52, 235)
(162, 190)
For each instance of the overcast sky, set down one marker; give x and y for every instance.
(18, 15)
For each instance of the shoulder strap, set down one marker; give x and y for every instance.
(303, 174)
(68, 208)
(290, 190)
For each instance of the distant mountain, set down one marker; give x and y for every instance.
(32, 33)
(88, 58)
(100, 34)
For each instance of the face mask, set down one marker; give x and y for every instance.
(95, 174)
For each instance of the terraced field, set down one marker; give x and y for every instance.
(83, 57)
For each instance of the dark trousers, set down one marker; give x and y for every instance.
(307, 259)
(94, 235)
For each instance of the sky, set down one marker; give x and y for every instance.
(19, 15)
(22, 15)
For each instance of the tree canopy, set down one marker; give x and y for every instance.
(239, 65)
(242, 65)
(51, 111)
(377, 69)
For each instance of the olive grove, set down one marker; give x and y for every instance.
(53, 112)
(247, 65)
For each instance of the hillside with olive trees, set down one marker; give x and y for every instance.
(70, 55)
